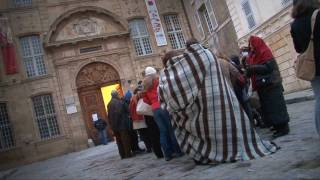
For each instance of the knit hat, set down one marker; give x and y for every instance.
(150, 71)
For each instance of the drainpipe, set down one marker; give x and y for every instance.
(188, 21)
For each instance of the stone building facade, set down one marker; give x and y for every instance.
(66, 51)
(212, 25)
(270, 20)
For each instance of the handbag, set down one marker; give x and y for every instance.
(144, 108)
(305, 64)
(264, 80)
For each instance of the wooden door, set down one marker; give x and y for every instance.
(92, 102)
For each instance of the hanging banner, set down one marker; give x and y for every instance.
(156, 22)
(7, 47)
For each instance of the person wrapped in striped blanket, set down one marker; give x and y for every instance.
(209, 122)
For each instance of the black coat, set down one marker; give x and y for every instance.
(301, 32)
(118, 115)
(100, 124)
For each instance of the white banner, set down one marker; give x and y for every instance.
(156, 22)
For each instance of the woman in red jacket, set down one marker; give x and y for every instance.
(167, 138)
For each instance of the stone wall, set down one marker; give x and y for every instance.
(224, 38)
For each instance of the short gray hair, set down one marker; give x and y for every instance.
(114, 93)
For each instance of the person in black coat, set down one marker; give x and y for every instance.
(301, 35)
(101, 125)
(118, 115)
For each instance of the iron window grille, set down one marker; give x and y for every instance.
(6, 131)
(46, 116)
(22, 3)
(32, 54)
(140, 37)
(249, 13)
(174, 31)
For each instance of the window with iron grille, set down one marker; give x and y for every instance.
(46, 116)
(140, 37)
(22, 3)
(286, 2)
(174, 31)
(6, 132)
(246, 7)
(33, 56)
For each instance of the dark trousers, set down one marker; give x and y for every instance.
(134, 140)
(154, 135)
(124, 143)
(145, 136)
(240, 93)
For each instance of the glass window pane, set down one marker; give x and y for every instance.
(174, 31)
(33, 56)
(45, 116)
(140, 37)
(6, 132)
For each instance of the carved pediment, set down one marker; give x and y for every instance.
(95, 74)
(86, 23)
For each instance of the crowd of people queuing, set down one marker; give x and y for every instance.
(208, 105)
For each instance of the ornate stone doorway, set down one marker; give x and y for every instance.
(89, 81)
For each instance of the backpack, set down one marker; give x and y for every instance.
(305, 64)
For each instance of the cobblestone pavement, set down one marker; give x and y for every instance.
(299, 158)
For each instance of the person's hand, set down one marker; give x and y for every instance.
(248, 71)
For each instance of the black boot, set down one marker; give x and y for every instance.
(281, 131)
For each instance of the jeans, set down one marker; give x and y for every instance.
(168, 140)
(103, 137)
(316, 89)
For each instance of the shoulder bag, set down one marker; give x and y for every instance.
(305, 64)
(144, 108)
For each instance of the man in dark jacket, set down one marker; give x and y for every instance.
(118, 115)
(101, 125)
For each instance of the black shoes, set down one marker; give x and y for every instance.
(168, 158)
(281, 131)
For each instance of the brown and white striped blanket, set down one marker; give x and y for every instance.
(209, 122)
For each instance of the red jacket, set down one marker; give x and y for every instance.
(133, 109)
(151, 95)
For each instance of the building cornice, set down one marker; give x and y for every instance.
(86, 39)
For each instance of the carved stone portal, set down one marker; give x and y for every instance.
(96, 74)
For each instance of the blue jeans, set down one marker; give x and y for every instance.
(103, 136)
(168, 140)
(316, 89)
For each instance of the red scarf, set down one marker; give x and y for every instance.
(261, 54)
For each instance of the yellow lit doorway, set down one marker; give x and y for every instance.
(106, 93)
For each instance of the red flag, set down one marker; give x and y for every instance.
(9, 55)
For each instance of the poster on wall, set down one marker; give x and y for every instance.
(94, 117)
(156, 22)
